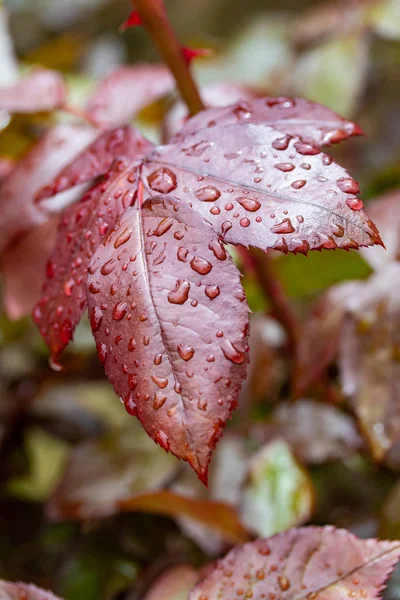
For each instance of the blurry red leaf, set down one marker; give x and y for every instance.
(317, 432)
(310, 562)
(369, 358)
(217, 94)
(39, 91)
(44, 160)
(312, 122)
(257, 186)
(121, 95)
(385, 211)
(81, 229)
(170, 320)
(23, 268)
(219, 516)
(23, 591)
(97, 158)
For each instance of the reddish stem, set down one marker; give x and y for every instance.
(155, 20)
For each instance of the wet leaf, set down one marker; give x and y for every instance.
(263, 188)
(317, 432)
(278, 493)
(312, 122)
(54, 150)
(39, 91)
(316, 562)
(170, 326)
(121, 95)
(385, 211)
(369, 359)
(174, 584)
(25, 591)
(97, 158)
(81, 229)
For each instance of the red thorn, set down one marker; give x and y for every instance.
(191, 53)
(132, 21)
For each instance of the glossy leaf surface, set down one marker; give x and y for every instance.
(170, 320)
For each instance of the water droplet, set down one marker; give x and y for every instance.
(162, 180)
(225, 227)
(96, 318)
(123, 238)
(231, 353)
(180, 293)
(146, 340)
(50, 269)
(119, 311)
(284, 227)
(210, 358)
(68, 287)
(260, 574)
(200, 265)
(339, 231)
(283, 583)
(132, 381)
(163, 226)
(162, 439)
(348, 185)
(94, 287)
(185, 352)
(182, 253)
(249, 204)
(218, 249)
(215, 210)
(229, 206)
(130, 406)
(102, 352)
(300, 218)
(297, 185)
(108, 266)
(160, 258)
(285, 167)
(208, 194)
(197, 149)
(158, 400)
(354, 203)
(158, 359)
(327, 160)
(161, 382)
(212, 291)
(281, 143)
(131, 344)
(242, 111)
(202, 405)
(244, 222)
(306, 149)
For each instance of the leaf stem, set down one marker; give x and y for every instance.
(155, 20)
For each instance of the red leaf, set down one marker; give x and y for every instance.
(262, 188)
(81, 229)
(314, 123)
(52, 152)
(97, 158)
(170, 320)
(39, 91)
(121, 95)
(310, 562)
(23, 591)
(23, 268)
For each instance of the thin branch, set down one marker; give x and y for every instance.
(155, 20)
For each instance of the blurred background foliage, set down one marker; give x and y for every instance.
(89, 507)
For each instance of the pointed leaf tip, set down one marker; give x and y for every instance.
(133, 20)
